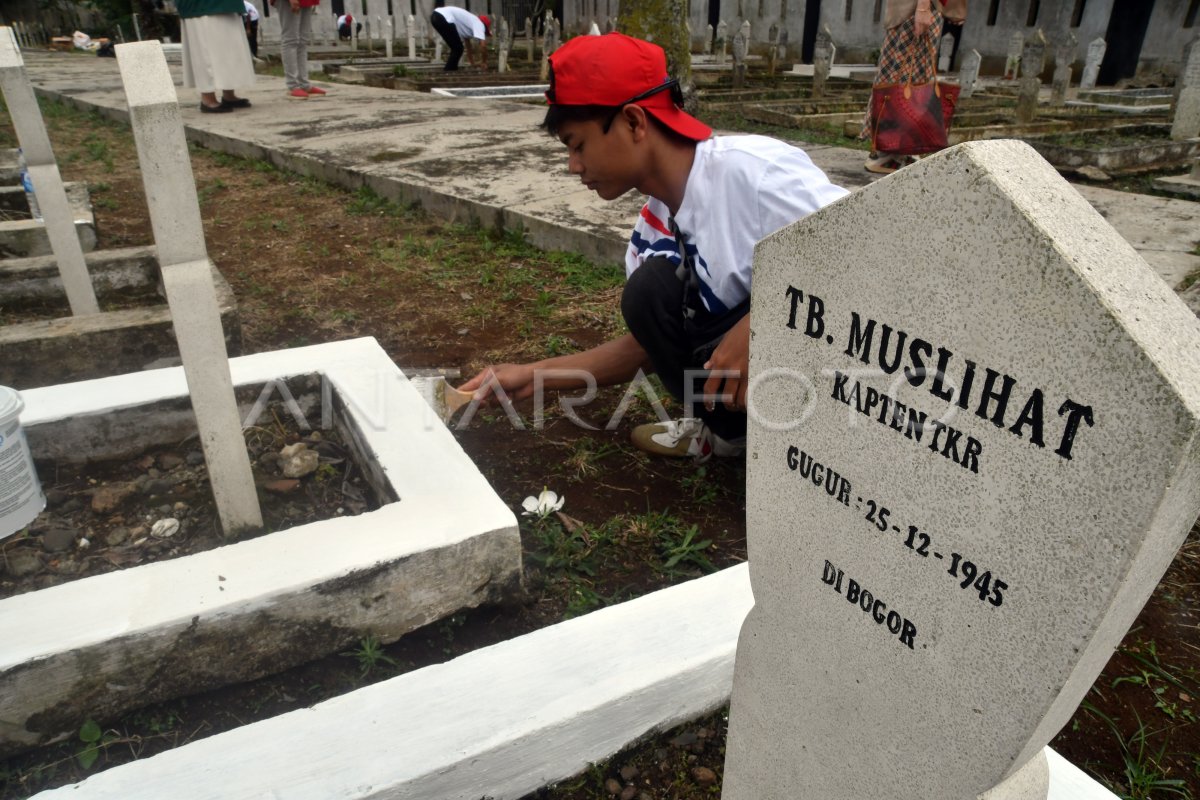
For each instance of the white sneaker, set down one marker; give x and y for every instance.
(685, 437)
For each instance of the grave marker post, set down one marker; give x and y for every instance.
(1186, 123)
(1064, 56)
(1031, 81)
(741, 45)
(1012, 63)
(1091, 68)
(47, 181)
(955, 508)
(722, 41)
(968, 76)
(412, 36)
(187, 278)
(822, 61)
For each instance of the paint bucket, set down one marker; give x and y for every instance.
(21, 498)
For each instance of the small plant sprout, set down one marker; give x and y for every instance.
(543, 505)
(370, 654)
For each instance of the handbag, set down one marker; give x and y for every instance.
(912, 118)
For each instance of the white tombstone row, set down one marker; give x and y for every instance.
(1186, 123)
(47, 181)
(183, 259)
(967, 471)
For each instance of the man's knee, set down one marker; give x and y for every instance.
(651, 291)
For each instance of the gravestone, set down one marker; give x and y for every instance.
(186, 274)
(722, 41)
(503, 43)
(823, 55)
(529, 40)
(549, 45)
(1031, 81)
(412, 36)
(389, 40)
(966, 474)
(968, 76)
(47, 180)
(1064, 55)
(1091, 67)
(1012, 63)
(773, 47)
(945, 51)
(708, 40)
(741, 45)
(1186, 123)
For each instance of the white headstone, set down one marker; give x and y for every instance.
(1064, 56)
(968, 76)
(967, 470)
(823, 54)
(48, 187)
(389, 38)
(1186, 123)
(1091, 68)
(1012, 63)
(708, 40)
(945, 51)
(722, 40)
(412, 37)
(187, 277)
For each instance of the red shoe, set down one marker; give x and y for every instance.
(313, 90)
(297, 94)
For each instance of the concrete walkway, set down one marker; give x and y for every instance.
(486, 160)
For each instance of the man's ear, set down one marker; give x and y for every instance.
(635, 117)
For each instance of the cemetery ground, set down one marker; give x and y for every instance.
(310, 263)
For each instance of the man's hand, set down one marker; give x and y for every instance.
(515, 379)
(732, 354)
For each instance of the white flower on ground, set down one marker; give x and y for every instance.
(543, 505)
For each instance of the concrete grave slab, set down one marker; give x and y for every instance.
(967, 469)
(74, 348)
(21, 238)
(105, 644)
(499, 723)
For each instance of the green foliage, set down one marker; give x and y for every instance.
(1141, 763)
(370, 655)
(95, 740)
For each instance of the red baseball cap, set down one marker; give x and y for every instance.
(616, 70)
(487, 22)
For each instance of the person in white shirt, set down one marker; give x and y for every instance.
(343, 26)
(687, 292)
(456, 26)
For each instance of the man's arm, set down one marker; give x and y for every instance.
(614, 361)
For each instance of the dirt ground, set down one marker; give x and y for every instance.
(310, 263)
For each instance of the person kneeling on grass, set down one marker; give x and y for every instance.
(710, 200)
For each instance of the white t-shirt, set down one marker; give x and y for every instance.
(343, 19)
(251, 11)
(469, 25)
(740, 190)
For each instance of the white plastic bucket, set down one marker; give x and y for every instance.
(21, 498)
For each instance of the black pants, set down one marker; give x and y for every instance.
(652, 304)
(252, 36)
(449, 33)
(952, 29)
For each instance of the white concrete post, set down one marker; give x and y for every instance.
(412, 36)
(389, 34)
(1095, 57)
(43, 171)
(187, 277)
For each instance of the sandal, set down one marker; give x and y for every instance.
(883, 164)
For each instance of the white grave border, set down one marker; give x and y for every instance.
(446, 509)
(497, 723)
